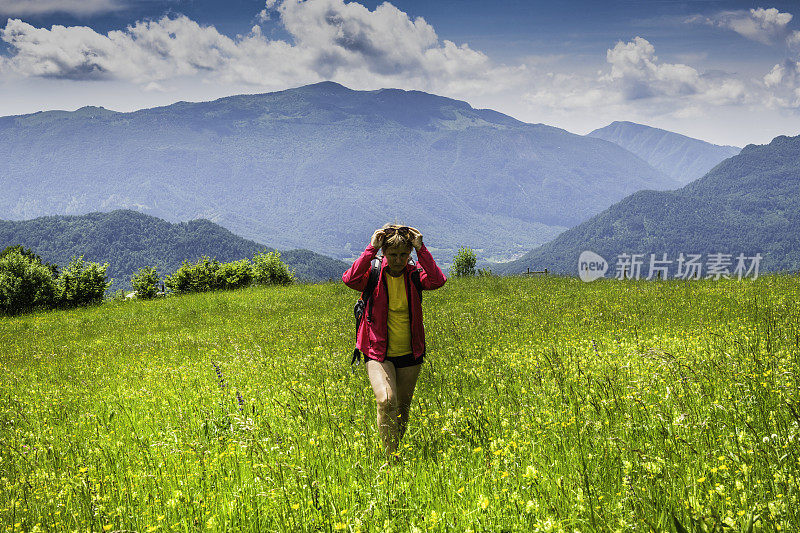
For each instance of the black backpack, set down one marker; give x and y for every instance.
(366, 300)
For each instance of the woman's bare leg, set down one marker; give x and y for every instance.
(383, 379)
(406, 382)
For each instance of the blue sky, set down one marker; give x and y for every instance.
(726, 72)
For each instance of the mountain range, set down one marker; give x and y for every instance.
(676, 155)
(128, 240)
(320, 167)
(748, 204)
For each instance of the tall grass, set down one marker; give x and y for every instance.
(544, 405)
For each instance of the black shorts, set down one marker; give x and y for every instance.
(401, 362)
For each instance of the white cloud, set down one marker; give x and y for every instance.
(637, 77)
(780, 88)
(637, 73)
(688, 112)
(635, 70)
(784, 83)
(154, 86)
(793, 40)
(263, 16)
(765, 26)
(345, 42)
(142, 53)
(727, 91)
(350, 43)
(777, 74)
(21, 8)
(570, 91)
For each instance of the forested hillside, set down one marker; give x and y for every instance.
(748, 204)
(128, 240)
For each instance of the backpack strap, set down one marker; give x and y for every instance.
(417, 282)
(372, 282)
(366, 297)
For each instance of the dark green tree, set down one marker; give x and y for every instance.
(82, 283)
(269, 269)
(464, 263)
(145, 282)
(25, 283)
(30, 254)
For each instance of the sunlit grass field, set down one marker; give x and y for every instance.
(544, 404)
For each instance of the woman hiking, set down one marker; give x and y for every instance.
(391, 335)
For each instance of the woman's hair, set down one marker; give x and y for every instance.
(399, 238)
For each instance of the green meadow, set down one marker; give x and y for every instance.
(544, 404)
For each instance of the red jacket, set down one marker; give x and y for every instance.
(372, 336)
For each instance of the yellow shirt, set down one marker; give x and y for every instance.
(399, 325)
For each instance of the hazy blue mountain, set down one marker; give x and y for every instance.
(747, 204)
(676, 155)
(128, 240)
(320, 167)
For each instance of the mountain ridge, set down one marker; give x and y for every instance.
(679, 156)
(320, 167)
(749, 203)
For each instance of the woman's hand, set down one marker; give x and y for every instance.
(416, 238)
(377, 238)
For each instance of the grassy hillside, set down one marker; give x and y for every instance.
(544, 405)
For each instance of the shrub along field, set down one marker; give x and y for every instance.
(544, 405)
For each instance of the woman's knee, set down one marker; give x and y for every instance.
(386, 400)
